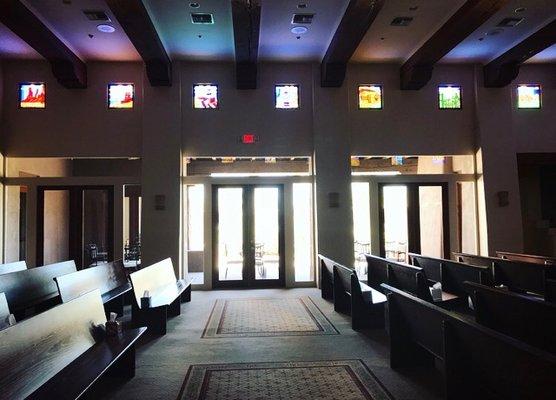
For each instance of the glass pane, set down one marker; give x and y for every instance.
(468, 217)
(16, 223)
(195, 232)
(431, 221)
(96, 227)
(361, 225)
(132, 225)
(56, 226)
(395, 222)
(302, 232)
(230, 234)
(267, 229)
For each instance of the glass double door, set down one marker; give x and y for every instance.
(414, 219)
(248, 236)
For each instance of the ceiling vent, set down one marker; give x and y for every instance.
(401, 21)
(202, 18)
(96, 16)
(304, 19)
(509, 22)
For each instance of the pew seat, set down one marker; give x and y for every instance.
(326, 277)
(353, 297)
(110, 278)
(58, 354)
(13, 267)
(477, 362)
(532, 321)
(166, 292)
(33, 290)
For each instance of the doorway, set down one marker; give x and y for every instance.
(248, 236)
(413, 219)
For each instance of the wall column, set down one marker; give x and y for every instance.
(331, 138)
(161, 173)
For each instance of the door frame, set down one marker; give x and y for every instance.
(75, 245)
(248, 214)
(413, 216)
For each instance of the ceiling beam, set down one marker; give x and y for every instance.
(358, 18)
(137, 24)
(416, 72)
(67, 68)
(246, 16)
(504, 69)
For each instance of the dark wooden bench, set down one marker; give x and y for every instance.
(4, 311)
(12, 267)
(477, 362)
(377, 271)
(430, 265)
(473, 259)
(326, 270)
(57, 355)
(544, 260)
(529, 320)
(353, 297)
(33, 290)
(110, 278)
(167, 293)
(410, 279)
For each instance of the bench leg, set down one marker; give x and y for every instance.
(153, 318)
(174, 309)
(124, 368)
(186, 295)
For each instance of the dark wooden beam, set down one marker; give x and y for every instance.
(137, 24)
(501, 71)
(417, 71)
(355, 23)
(246, 15)
(67, 68)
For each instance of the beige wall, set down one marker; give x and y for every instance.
(56, 226)
(37, 166)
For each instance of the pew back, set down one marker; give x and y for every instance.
(36, 349)
(342, 288)
(152, 278)
(544, 260)
(32, 287)
(106, 277)
(12, 267)
(377, 271)
(473, 259)
(410, 279)
(430, 265)
(531, 321)
(454, 275)
(520, 276)
(326, 276)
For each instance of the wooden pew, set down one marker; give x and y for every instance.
(4, 312)
(58, 355)
(377, 271)
(430, 265)
(166, 293)
(109, 278)
(33, 289)
(529, 320)
(410, 279)
(477, 362)
(544, 260)
(473, 259)
(326, 277)
(12, 267)
(363, 303)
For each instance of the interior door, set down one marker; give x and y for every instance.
(414, 219)
(248, 236)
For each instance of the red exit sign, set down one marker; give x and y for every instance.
(249, 138)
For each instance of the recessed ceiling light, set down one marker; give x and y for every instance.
(194, 5)
(299, 30)
(104, 28)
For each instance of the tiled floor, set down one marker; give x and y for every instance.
(162, 362)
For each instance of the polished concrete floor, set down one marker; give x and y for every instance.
(162, 362)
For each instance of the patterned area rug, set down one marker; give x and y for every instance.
(267, 317)
(323, 380)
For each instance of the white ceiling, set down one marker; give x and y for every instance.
(382, 43)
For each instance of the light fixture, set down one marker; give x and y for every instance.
(104, 28)
(299, 30)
